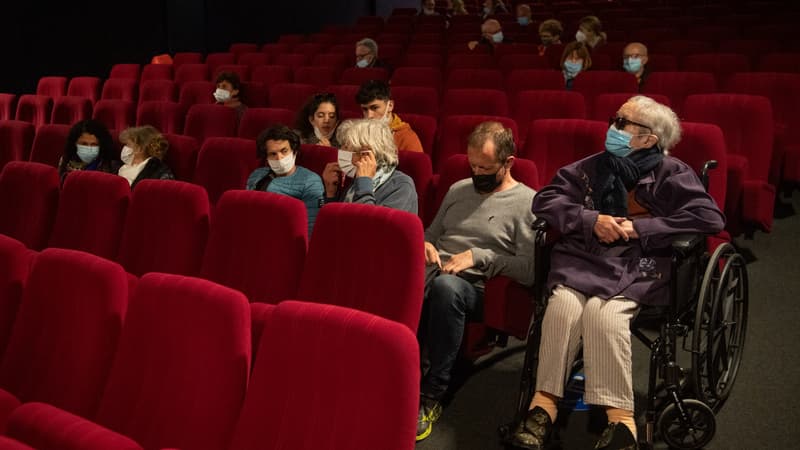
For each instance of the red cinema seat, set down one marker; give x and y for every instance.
(241, 70)
(316, 157)
(28, 199)
(528, 106)
(425, 126)
(87, 87)
(224, 164)
(256, 120)
(272, 74)
(290, 95)
(8, 106)
(722, 65)
(196, 93)
(182, 155)
(292, 59)
(166, 116)
(391, 287)
(15, 261)
(69, 109)
(356, 75)
(175, 242)
(253, 60)
(534, 79)
(52, 87)
(125, 70)
(120, 89)
(475, 78)
(417, 76)
(182, 58)
(595, 82)
(416, 100)
(16, 139)
(606, 105)
(205, 121)
(365, 349)
(216, 59)
(49, 143)
(184, 339)
(244, 229)
(747, 124)
(554, 143)
(91, 226)
(160, 90)
(678, 85)
(65, 333)
(779, 62)
(319, 76)
(157, 72)
(346, 96)
(34, 109)
(239, 48)
(490, 102)
(418, 166)
(191, 72)
(115, 114)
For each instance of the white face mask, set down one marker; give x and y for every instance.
(346, 163)
(362, 63)
(387, 114)
(221, 95)
(282, 166)
(87, 153)
(126, 155)
(318, 133)
(497, 37)
(580, 36)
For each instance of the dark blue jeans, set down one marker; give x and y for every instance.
(449, 301)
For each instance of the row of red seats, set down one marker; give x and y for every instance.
(95, 358)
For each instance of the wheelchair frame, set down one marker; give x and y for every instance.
(712, 329)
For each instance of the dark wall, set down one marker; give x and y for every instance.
(87, 37)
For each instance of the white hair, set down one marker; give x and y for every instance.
(372, 133)
(370, 44)
(662, 120)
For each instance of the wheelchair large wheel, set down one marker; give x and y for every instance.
(719, 327)
(693, 433)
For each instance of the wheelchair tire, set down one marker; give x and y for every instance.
(693, 435)
(719, 327)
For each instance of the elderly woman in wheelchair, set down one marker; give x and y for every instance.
(617, 213)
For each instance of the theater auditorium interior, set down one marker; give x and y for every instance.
(190, 313)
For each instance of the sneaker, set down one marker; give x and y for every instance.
(429, 412)
(617, 436)
(533, 432)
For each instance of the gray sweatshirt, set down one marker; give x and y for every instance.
(497, 227)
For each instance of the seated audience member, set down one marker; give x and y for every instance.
(483, 228)
(492, 7)
(574, 60)
(590, 31)
(277, 148)
(316, 121)
(89, 147)
(375, 98)
(428, 8)
(523, 14)
(367, 55)
(228, 92)
(457, 8)
(369, 157)
(549, 33)
(491, 36)
(617, 212)
(143, 155)
(634, 60)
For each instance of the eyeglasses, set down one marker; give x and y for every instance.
(620, 123)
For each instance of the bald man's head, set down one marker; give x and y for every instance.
(634, 58)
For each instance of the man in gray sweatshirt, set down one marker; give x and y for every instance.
(483, 228)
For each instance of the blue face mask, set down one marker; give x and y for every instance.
(572, 68)
(618, 142)
(497, 37)
(632, 65)
(87, 153)
(524, 21)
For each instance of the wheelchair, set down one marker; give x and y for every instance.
(698, 344)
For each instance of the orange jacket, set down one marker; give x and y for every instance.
(404, 137)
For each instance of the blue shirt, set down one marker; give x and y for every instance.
(303, 184)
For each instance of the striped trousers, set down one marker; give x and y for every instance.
(604, 326)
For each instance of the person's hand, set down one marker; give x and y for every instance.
(324, 141)
(607, 229)
(627, 227)
(458, 262)
(432, 255)
(332, 178)
(472, 44)
(366, 166)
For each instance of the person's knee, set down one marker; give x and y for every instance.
(446, 294)
(601, 320)
(564, 307)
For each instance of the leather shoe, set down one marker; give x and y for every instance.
(533, 432)
(617, 436)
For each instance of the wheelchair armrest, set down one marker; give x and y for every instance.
(686, 244)
(540, 224)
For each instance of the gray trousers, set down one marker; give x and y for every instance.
(604, 326)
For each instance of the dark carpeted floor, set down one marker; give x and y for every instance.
(760, 413)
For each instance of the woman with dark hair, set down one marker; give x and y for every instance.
(317, 120)
(89, 147)
(277, 148)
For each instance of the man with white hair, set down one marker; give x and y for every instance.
(616, 212)
(367, 55)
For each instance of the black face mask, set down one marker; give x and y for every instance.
(485, 184)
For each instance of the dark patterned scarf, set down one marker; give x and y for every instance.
(616, 176)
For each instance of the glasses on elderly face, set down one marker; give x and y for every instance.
(620, 123)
